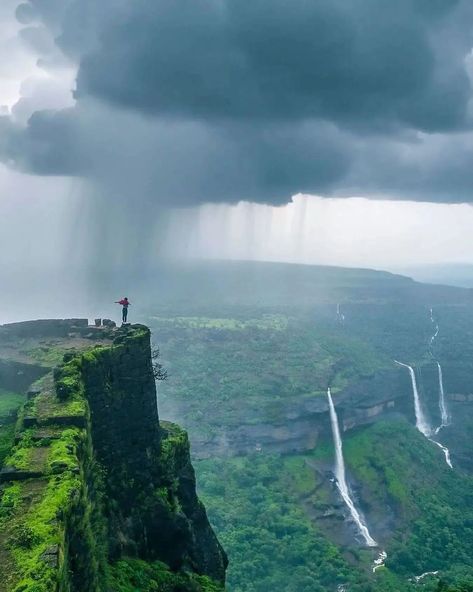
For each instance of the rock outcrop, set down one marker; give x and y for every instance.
(94, 484)
(384, 394)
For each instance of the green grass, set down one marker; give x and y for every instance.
(34, 531)
(20, 457)
(47, 405)
(268, 321)
(10, 402)
(7, 434)
(63, 450)
(46, 355)
(32, 512)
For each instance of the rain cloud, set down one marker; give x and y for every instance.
(181, 102)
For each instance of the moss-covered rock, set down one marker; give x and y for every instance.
(97, 495)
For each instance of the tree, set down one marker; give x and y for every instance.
(159, 372)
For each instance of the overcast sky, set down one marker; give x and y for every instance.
(114, 113)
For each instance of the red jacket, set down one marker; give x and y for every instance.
(124, 302)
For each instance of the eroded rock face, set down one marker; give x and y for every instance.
(385, 394)
(90, 429)
(152, 508)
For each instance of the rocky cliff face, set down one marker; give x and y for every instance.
(96, 494)
(152, 508)
(384, 394)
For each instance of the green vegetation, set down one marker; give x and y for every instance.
(47, 405)
(67, 379)
(271, 541)
(268, 321)
(9, 402)
(29, 525)
(133, 575)
(259, 506)
(232, 364)
(64, 451)
(48, 355)
(59, 526)
(7, 434)
(249, 374)
(51, 526)
(228, 366)
(9, 405)
(398, 467)
(173, 443)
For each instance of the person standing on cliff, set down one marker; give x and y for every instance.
(125, 304)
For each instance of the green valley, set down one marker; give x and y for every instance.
(250, 386)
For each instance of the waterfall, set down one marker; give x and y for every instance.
(445, 421)
(421, 422)
(379, 561)
(434, 336)
(436, 331)
(442, 404)
(445, 451)
(341, 477)
(417, 579)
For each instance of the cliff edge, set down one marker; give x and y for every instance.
(97, 495)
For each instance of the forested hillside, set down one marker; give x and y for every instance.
(249, 381)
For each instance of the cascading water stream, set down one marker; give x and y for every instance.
(444, 417)
(445, 420)
(436, 330)
(421, 422)
(341, 476)
(340, 315)
(445, 451)
(434, 336)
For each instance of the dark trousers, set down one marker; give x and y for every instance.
(124, 313)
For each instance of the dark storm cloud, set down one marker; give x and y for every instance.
(430, 168)
(363, 62)
(181, 163)
(50, 145)
(184, 101)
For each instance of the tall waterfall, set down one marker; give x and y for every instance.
(421, 422)
(445, 420)
(341, 476)
(442, 404)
